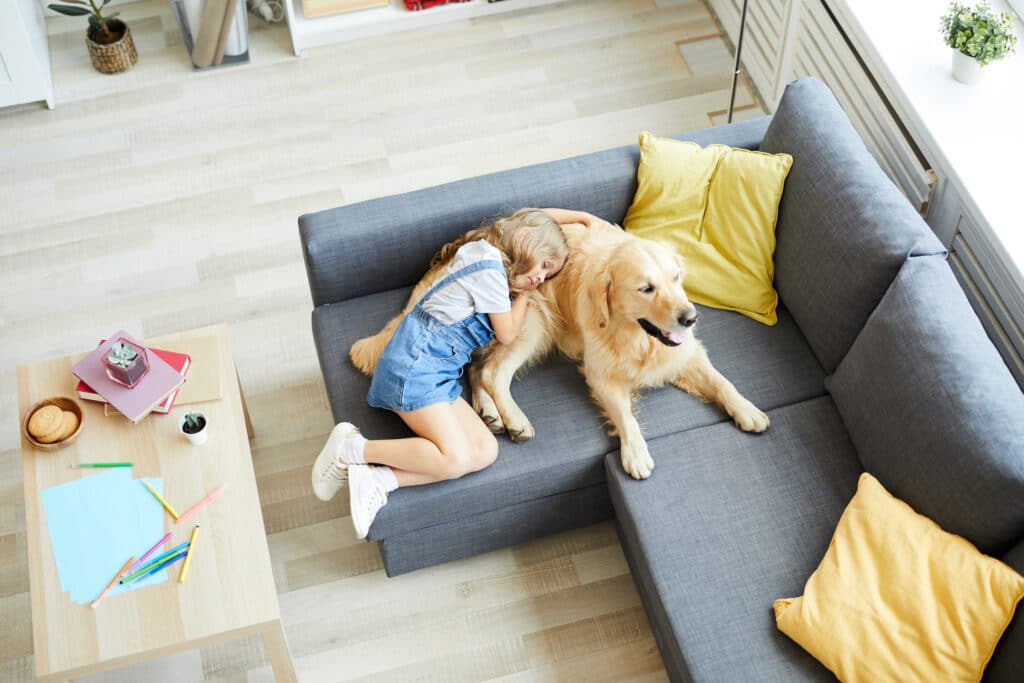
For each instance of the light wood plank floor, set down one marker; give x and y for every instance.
(164, 199)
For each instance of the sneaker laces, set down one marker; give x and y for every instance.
(336, 470)
(377, 497)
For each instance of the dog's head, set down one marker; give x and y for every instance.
(642, 284)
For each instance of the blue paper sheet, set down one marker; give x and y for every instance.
(96, 523)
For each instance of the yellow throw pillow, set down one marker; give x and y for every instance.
(896, 598)
(718, 207)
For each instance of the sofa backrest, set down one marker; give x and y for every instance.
(933, 411)
(844, 228)
(381, 244)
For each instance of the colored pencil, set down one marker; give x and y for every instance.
(113, 581)
(162, 565)
(149, 552)
(209, 497)
(149, 565)
(163, 502)
(188, 555)
(103, 464)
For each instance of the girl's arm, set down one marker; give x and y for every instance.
(565, 216)
(508, 325)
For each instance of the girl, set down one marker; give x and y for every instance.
(418, 373)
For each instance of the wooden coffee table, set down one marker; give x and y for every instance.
(230, 590)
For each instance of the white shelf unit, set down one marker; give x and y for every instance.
(339, 28)
(24, 54)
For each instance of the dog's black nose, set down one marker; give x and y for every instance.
(688, 317)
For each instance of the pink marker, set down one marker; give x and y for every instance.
(149, 552)
(210, 496)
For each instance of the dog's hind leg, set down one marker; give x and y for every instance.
(702, 380)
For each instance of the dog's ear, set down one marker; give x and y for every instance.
(601, 298)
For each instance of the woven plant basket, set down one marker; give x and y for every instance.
(117, 56)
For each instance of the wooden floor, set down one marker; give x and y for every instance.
(164, 199)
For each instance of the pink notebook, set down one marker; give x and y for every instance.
(137, 402)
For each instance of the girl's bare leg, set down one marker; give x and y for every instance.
(452, 441)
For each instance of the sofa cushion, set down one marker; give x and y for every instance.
(935, 414)
(728, 522)
(571, 441)
(844, 229)
(373, 246)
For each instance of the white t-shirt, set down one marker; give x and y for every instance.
(484, 291)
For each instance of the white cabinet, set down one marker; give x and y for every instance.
(24, 54)
(392, 17)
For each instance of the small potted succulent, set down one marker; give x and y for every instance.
(110, 43)
(978, 37)
(126, 363)
(193, 426)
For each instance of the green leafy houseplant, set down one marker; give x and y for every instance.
(979, 33)
(100, 29)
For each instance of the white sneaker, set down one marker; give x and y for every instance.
(330, 471)
(367, 496)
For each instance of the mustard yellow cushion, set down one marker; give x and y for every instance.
(718, 207)
(896, 598)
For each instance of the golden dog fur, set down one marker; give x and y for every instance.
(590, 313)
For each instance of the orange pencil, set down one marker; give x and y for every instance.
(113, 581)
(209, 497)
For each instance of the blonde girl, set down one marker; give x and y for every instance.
(417, 375)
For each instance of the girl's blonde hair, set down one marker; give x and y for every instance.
(525, 239)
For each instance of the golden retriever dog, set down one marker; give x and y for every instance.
(618, 307)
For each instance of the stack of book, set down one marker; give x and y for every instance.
(155, 392)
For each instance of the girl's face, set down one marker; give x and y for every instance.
(546, 269)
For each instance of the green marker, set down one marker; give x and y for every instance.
(104, 464)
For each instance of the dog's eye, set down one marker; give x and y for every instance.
(647, 289)
(677, 277)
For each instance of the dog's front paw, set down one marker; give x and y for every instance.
(750, 418)
(520, 432)
(493, 422)
(637, 460)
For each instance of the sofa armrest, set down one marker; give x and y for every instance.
(384, 243)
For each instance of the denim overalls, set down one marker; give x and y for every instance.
(423, 361)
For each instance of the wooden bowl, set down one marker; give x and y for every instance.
(63, 403)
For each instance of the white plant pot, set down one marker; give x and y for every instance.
(966, 68)
(199, 438)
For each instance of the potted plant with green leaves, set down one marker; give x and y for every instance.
(978, 37)
(110, 43)
(193, 425)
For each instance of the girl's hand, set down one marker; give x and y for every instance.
(508, 325)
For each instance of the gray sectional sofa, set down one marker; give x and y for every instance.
(877, 363)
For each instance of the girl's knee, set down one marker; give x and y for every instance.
(458, 463)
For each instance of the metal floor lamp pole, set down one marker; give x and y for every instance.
(736, 64)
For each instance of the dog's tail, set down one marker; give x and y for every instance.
(367, 351)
